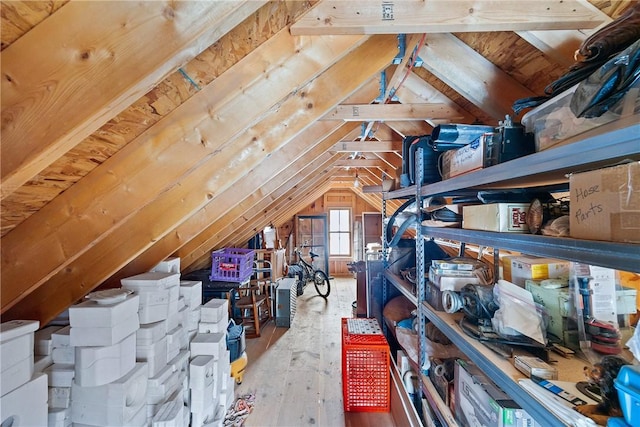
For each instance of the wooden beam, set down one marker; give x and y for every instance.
(478, 80)
(287, 205)
(442, 16)
(359, 163)
(367, 146)
(415, 90)
(411, 128)
(560, 45)
(274, 175)
(59, 87)
(395, 112)
(80, 217)
(288, 116)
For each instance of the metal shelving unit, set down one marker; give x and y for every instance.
(594, 150)
(601, 147)
(620, 256)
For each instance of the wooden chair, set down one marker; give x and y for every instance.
(254, 306)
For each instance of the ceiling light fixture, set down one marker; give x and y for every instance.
(356, 182)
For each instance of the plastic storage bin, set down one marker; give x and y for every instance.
(231, 264)
(366, 384)
(628, 385)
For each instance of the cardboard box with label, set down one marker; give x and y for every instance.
(502, 217)
(517, 269)
(605, 204)
(469, 158)
(479, 402)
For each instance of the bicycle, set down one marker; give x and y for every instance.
(308, 273)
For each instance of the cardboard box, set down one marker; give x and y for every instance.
(480, 402)
(502, 217)
(519, 269)
(605, 204)
(467, 159)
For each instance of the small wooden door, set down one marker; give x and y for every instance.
(312, 233)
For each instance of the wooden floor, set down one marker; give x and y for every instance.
(295, 372)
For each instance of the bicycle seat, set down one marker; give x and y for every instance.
(313, 255)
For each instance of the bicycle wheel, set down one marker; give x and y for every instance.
(321, 282)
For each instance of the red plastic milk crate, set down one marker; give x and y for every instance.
(231, 264)
(366, 384)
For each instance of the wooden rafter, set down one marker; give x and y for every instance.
(367, 146)
(66, 87)
(478, 80)
(395, 112)
(153, 162)
(437, 16)
(289, 117)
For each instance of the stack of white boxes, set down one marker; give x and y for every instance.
(55, 340)
(23, 391)
(162, 343)
(210, 366)
(109, 387)
(126, 358)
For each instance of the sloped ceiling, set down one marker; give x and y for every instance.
(133, 131)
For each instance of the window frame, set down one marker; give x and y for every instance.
(348, 233)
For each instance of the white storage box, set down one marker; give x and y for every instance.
(43, 342)
(64, 355)
(194, 319)
(201, 372)
(155, 355)
(40, 363)
(113, 404)
(173, 318)
(151, 332)
(95, 313)
(169, 265)
(16, 353)
(151, 280)
(200, 419)
(60, 375)
(201, 398)
(212, 328)
(163, 385)
(154, 305)
(108, 335)
(180, 363)
(215, 310)
(501, 217)
(191, 290)
(154, 290)
(97, 366)
(59, 417)
(60, 397)
(175, 338)
(26, 405)
(208, 345)
(170, 414)
(61, 337)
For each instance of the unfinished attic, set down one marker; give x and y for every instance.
(137, 132)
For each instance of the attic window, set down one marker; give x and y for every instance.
(339, 232)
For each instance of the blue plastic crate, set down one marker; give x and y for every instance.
(628, 385)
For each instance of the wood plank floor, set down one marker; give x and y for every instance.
(296, 372)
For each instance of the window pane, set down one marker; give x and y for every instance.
(340, 232)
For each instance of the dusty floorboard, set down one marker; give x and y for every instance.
(295, 372)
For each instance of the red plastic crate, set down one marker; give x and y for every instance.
(231, 264)
(366, 383)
